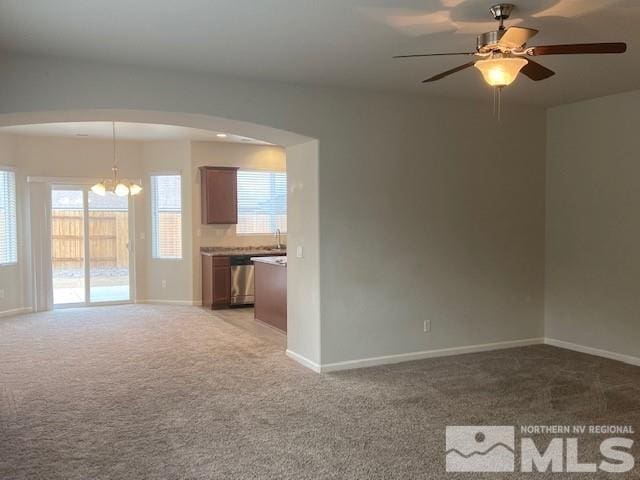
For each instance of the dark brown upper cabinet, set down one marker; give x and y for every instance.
(219, 194)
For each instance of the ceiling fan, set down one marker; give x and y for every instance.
(504, 52)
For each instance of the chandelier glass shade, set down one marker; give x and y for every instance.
(120, 187)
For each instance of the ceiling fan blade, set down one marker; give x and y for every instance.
(433, 54)
(578, 48)
(515, 37)
(535, 71)
(448, 72)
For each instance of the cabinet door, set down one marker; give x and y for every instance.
(271, 294)
(220, 197)
(221, 282)
(207, 281)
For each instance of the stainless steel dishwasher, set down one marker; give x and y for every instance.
(242, 274)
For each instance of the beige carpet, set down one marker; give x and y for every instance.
(173, 392)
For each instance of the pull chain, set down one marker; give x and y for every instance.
(496, 109)
(115, 157)
(493, 104)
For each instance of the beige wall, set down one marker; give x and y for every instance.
(593, 225)
(303, 281)
(76, 157)
(168, 157)
(428, 214)
(248, 157)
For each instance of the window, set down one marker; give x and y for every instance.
(8, 237)
(166, 216)
(262, 202)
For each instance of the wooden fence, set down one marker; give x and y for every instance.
(108, 239)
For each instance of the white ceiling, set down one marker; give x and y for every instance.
(126, 131)
(333, 42)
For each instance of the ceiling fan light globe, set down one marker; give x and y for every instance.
(500, 72)
(99, 189)
(121, 190)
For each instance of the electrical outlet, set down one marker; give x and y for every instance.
(427, 326)
(164, 284)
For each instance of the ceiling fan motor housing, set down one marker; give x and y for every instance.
(488, 41)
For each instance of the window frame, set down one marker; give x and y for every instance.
(170, 173)
(12, 170)
(264, 234)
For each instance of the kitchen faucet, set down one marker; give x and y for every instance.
(277, 235)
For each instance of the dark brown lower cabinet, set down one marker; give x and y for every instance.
(271, 294)
(216, 281)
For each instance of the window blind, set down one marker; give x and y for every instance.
(166, 216)
(262, 202)
(8, 228)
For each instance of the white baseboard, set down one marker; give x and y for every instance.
(304, 361)
(15, 311)
(593, 351)
(169, 302)
(407, 357)
(442, 352)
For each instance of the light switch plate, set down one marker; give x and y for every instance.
(299, 251)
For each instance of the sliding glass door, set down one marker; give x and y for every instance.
(68, 246)
(108, 248)
(90, 252)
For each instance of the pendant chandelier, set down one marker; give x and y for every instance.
(121, 187)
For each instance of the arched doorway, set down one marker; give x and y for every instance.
(303, 299)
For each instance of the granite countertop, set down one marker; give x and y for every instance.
(280, 261)
(229, 251)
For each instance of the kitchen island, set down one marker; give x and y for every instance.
(271, 291)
